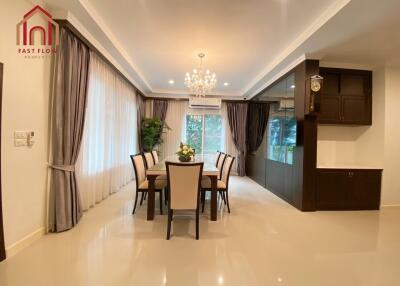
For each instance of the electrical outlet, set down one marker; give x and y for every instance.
(20, 142)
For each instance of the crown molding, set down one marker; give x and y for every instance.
(265, 77)
(98, 20)
(301, 39)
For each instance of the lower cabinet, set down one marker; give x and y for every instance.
(348, 189)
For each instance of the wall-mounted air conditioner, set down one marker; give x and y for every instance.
(204, 102)
(286, 104)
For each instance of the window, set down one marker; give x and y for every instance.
(204, 132)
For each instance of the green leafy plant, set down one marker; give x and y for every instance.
(151, 133)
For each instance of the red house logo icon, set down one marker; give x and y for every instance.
(45, 31)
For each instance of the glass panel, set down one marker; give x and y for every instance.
(282, 125)
(212, 133)
(194, 132)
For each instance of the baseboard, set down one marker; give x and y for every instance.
(24, 242)
(390, 206)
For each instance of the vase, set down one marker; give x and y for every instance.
(184, 158)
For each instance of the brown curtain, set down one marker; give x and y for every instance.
(257, 120)
(141, 110)
(237, 117)
(68, 116)
(160, 109)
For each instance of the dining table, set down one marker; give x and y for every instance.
(209, 169)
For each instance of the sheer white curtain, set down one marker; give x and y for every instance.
(109, 137)
(175, 119)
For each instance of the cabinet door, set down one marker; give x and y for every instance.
(332, 189)
(330, 98)
(365, 191)
(330, 109)
(356, 109)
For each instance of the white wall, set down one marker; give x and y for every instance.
(356, 145)
(391, 173)
(371, 146)
(25, 107)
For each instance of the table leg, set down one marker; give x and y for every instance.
(214, 197)
(151, 198)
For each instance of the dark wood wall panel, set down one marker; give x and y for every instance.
(294, 183)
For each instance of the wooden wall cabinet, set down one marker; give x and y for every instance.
(348, 189)
(346, 97)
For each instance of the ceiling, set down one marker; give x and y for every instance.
(247, 43)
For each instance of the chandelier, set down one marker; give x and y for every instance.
(200, 82)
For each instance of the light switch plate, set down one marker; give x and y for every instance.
(20, 135)
(20, 142)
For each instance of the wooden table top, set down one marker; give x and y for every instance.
(208, 168)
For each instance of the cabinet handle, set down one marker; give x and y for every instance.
(351, 174)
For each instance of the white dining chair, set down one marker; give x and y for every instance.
(155, 156)
(142, 184)
(222, 184)
(184, 190)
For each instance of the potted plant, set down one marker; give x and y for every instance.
(151, 133)
(185, 152)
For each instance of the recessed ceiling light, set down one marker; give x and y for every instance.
(171, 81)
(226, 83)
(292, 86)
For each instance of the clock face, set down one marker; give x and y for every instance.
(315, 86)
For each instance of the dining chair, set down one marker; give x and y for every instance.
(149, 159)
(220, 163)
(155, 156)
(222, 184)
(217, 158)
(184, 181)
(142, 184)
(221, 156)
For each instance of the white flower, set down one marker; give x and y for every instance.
(190, 150)
(185, 147)
(185, 152)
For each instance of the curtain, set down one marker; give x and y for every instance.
(110, 135)
(175, 119)
(229, 146)
(68, 117)
(160, 109)
(237, 118)
(257, 120)
(141, 110)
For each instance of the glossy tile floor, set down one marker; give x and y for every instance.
(264, 241)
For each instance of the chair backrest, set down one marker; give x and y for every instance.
(221, 161)
(149, 160)
(155, 156)
(139, 167)
(218, 155)
(184, 181)
(226, 169)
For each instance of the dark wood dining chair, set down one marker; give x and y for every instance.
(142, 184)
(222, 184)
(184, 181)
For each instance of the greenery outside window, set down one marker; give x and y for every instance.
(204, 132)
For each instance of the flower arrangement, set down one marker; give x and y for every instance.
(185, 152)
